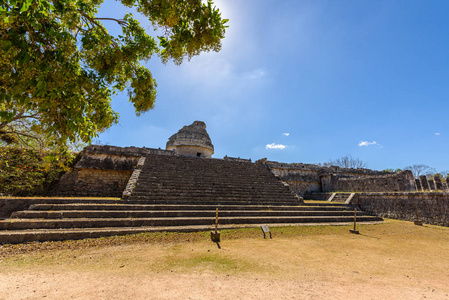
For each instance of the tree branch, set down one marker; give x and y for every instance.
(121, 22)
(93, 20)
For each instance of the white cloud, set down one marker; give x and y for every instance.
(275, 146)
(366, 143)
(437, 133)
(286, 133)
(257, 73)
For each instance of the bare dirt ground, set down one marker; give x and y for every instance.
(394, 260)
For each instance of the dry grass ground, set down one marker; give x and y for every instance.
(394, 260)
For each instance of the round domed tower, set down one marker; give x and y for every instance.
(192, 140)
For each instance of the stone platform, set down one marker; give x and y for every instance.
(79, 219)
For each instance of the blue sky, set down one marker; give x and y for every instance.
(309, 81)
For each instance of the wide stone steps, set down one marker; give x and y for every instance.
(175, 178)
(217, 200)
(61, 219)
(40, 235)
(341, 197)
(198, 191)
(213, 202)
(168, 207)
(230, 197)
(222, 187)
(199, 176)
(29, 214)
(20, 224)
(235, 188)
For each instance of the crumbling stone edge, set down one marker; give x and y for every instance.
(133, 179)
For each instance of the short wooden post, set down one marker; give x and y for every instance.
(215, 236)
(417, 222)
(216, 220)
(355, 231)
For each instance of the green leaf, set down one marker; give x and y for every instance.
(6, 45)
(26, 5)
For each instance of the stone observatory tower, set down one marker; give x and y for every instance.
(192, 140)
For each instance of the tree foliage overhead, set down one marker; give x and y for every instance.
(59, 66)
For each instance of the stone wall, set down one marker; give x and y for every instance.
(308, 178)
(103, 171)
(10, 205)
(433, 208)
(237, 159)
(435, 184)
(93, 183)
(401, 181)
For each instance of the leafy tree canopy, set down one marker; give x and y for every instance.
(59, 66)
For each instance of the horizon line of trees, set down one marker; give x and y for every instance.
(349, 162)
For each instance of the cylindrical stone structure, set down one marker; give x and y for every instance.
(192, 140)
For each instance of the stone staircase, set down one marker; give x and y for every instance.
(175, 193)
(164, 179)
(340, 197)
(83, 219)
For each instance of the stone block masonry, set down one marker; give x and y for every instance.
(102, 171)
(92, 183)
(431, 185)
(418, 184)
(433, 208)
(401, 181)
(438, 184)
(424, 182)
(444, 186)
(307, 178)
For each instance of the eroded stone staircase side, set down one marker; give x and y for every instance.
(133, 179)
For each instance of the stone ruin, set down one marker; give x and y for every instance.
(183, 186)
(436, 184)
(309, 178)
(107, 170)
(192, 140)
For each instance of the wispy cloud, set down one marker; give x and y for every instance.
(366, 143)
(257, 73)
(275, 146)
(437, 133)
(286, 133)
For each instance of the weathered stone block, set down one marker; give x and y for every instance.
(424, 182)
(438, 185)
(418, 184)
(431, 185)
(445, 187)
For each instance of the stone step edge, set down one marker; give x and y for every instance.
(220, 206)
(91, 214)
(204, 211)
(23, 224)
(177, 218)
(41, 235)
